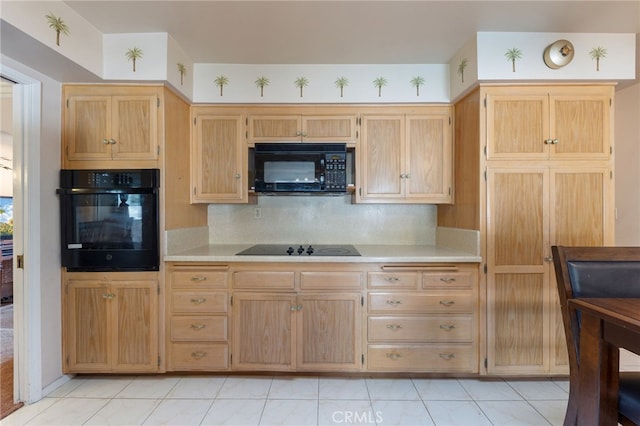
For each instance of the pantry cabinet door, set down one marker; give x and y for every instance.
(134, 133)
(517, 271)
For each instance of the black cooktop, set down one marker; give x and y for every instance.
(300, 250)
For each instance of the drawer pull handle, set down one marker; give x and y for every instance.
(447, 357)
(198, 278)
(392, 279)
(201, 326)
(394, 326)
(394, 356)
(447, 280)
(108, 296)
(198, 300)
(198, 355)
(447, 303)
(393, 302)
(447, 327)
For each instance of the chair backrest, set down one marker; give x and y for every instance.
(593, 272)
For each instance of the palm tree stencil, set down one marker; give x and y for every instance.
(300, 83)
(341, 83)
(461, 67)
(417, 82)
(58, 25)
(182, 70)
(134, 54)
(261, 82)
(513, 55)
(597, 53)
(379, 82)
(221, 81)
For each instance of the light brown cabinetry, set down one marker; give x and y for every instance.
(295, 319)
(110, 123)
(548, 123)
(423, 320)
(197, 318)
(302, 128)
(405, 158)
(218, 157)
(110, 322)
(533, 169)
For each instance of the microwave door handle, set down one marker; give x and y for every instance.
(96, 191)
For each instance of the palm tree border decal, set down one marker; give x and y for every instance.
(300, 83)
(597, 53)
(461, 67)
(260, 83)
(379, 83)
(513, 55)
(134, 54)
(58, 25)
(221, 81)
(417, 82)
(182, 70)
(341, 83)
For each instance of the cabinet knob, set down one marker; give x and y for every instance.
(548, 259)
(105, 141)
(555, 141)
(112, 141)
(237, 176)
(108, 296)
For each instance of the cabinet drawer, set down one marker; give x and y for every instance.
(264, 280)
(199, 302)
(330, 280)
(441, 302)
(422, 358)
(448, 280)
(197, 356)
(199, 278)
(406, 280)
(202, 328)
(439, 328)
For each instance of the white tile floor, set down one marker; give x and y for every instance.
(296, 401)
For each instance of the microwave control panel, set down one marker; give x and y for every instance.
(335, 171)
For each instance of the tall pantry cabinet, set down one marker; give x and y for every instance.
(544, 158)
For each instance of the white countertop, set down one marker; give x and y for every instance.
(368, 254)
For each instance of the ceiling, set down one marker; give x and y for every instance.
(348, 32)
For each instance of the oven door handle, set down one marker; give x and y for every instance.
(96, 191)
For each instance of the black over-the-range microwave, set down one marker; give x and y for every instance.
(298, 168)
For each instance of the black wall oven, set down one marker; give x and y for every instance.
(109, 220)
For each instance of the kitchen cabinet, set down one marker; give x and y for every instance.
(405, 158)
(548, 123)
(307, 321)
(302, 128)
(219, 157)
(423, 318)
(523, 196)
(534, 207)
(110, 123)
(197, 318)
(110, 322)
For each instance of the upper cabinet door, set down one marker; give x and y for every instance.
(103, 123)
(134, 131)
(428, 158)
(381, 157)
(580, 125)
(87, 127)
(219, 159)
(541, 123)
(275, 128)
(329, 128)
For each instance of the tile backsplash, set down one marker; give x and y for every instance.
(321, 220)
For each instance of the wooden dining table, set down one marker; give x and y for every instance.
(606, 326)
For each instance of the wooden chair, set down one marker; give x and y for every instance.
(597, 272)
